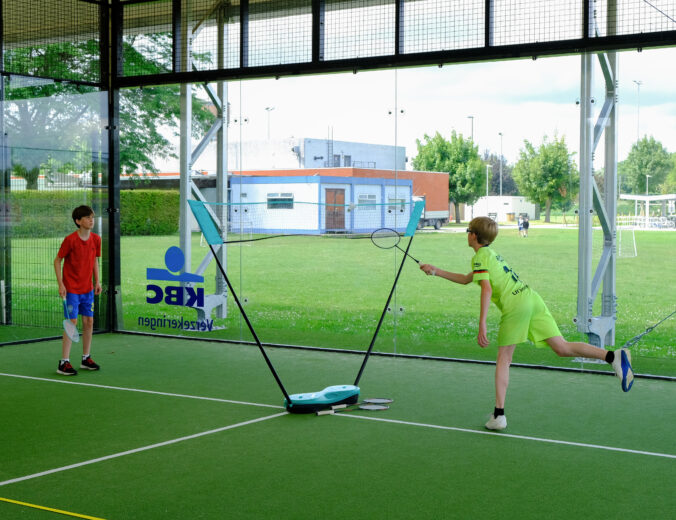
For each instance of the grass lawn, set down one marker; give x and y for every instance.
(329, 292)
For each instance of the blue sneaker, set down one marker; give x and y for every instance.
(622, 366)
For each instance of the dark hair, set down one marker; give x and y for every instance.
(81, 212)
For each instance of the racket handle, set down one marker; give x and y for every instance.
(325, 412)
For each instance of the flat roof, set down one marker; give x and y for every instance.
(649, 198)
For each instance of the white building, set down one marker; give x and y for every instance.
(301, 153)
(318, 204)
(502, 209)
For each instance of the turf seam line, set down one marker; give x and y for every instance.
(50, 509)
(139, 450)
(513, 436)
(139, 390)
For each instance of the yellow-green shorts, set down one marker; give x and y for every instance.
(530, 319)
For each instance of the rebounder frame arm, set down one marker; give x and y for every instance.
(213, 237)
(410, 231)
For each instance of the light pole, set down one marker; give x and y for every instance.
(500, 134)
(638, 108)
(472, 134)
(647, 202)
(488, 167)
(268, 110)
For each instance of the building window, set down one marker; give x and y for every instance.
(347, 160)
(280, 200)
(364, 164)
(367, 202)
(336, 161)
(395, 204)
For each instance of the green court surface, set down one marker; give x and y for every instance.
(179, 429)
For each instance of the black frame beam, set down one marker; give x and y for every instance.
(493, 53)
(111, 69)
(5, 191)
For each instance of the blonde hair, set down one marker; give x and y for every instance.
(485, 229)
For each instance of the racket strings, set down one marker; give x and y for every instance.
(385, 238)
(71, 330)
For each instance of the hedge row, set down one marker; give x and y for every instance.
(149, 212)
(35, 214)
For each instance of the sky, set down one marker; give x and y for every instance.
(522, 99)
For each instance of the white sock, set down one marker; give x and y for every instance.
(84, 358)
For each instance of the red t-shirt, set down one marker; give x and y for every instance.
(78, 266)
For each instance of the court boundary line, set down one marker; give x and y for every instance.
(140, 390)
(138, 450)
(50, 509)
(394, 421)
(514, 436)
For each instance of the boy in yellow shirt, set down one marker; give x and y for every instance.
(524, 315)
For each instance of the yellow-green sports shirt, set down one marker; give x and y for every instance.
(505, 283)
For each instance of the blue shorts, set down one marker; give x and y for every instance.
(82, 304)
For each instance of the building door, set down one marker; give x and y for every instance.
(335, 209)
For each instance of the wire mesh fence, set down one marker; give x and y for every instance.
(60, 39)
(52, 39)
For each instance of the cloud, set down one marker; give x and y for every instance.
(523, 99)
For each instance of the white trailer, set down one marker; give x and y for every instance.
(432, 217)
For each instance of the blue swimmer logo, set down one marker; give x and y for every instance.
(186, 296)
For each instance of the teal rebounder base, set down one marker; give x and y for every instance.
(317, 401)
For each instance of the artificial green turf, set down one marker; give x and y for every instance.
(26, 333)
(299, 467)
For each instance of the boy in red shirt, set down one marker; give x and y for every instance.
(80, 251)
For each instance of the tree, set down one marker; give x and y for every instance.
(48, 128)
(548, 174)
(508, 184)
(53, 125)
(647, 157)
(460, 158)
(669, 185)
(148, 114)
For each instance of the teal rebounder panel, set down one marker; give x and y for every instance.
(205, 222)
(416, 213)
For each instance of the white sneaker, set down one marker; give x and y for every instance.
(497, 423)
(622, 366)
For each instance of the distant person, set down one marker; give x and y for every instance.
(524, 316)
(79, 252)
(520, 222)
(526, 225)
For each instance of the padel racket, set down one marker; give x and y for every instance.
(68, 326)
(386, 238)
(372, 405)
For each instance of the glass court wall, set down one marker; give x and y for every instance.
(53, 156)
(329, 293)
(290, 127)
(50, 169)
